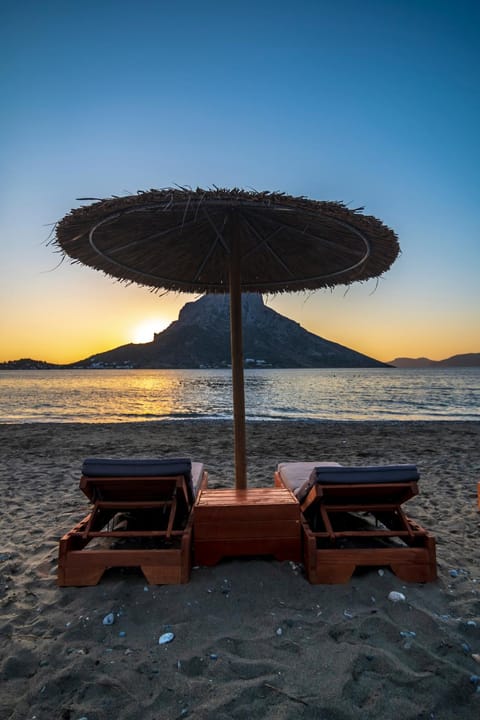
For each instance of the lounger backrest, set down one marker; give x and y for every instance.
(359, 476)
(295, 474)
(140, 468)
(366, 474)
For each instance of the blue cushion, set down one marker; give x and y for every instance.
(140, 467)
(366, 474)
(134, 467)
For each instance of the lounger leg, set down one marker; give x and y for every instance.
(70, 571)
(331, 573)
(205, 554)
(290, 551)
(329, 567)
(420, 571)
(164, 574)
(415, 573)
(74, 572)
(172, 567)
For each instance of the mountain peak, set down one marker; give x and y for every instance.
(200, 338)
(209, 308)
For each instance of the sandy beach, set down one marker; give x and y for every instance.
(253, 639)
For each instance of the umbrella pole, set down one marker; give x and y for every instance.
(236, 343)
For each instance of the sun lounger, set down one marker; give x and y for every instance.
(141, 516)
(353, 516)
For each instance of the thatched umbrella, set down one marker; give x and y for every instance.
(228, 241)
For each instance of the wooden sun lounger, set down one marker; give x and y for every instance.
(353, 517)
(141, 517)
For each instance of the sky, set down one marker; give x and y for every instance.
(373, 103)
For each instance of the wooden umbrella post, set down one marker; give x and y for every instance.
(236, 344)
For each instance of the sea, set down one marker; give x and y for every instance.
(112, 396)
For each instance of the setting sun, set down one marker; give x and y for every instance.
(144, 332)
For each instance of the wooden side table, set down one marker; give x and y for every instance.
(256, 521)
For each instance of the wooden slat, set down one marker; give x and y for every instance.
(369, 533)
(250, 497)
(245, 514)
(212, 551)
(241, 530)
(367, 556)
(132, 533)
(132, 504)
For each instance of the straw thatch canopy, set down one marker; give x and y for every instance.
(181, 239)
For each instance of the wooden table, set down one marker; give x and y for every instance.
(256, 521)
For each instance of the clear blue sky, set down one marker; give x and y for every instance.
(373, 103)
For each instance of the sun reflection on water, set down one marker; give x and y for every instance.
(127, 395)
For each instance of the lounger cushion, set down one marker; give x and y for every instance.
(146, 467)
(296, 474)
(300, 477)
(367, 474)
(197, 475)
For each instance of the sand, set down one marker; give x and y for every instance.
(253, 639)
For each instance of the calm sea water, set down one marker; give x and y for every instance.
(139, 395)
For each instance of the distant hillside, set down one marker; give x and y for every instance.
(466, 360)
(200, 338)
(27, 364)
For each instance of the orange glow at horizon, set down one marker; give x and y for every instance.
(64, 343)
(76, 321)
(145, 331)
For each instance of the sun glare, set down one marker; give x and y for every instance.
(144, 333)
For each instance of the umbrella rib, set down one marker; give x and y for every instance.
(135, 243)
(338, 247)
(265, 242)
(216, 230)
(205, 259)
(337, 273)
(329, 243)
(300, 281)
(219, 238)
(142, 273)
(353, 229)
(123, 266)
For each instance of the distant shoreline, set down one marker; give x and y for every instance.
(229, 422)
(8, 367)
(466, 360)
